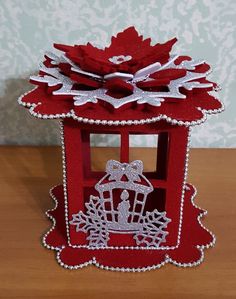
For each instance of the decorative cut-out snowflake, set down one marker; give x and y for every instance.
(81, 97)
(93, 222)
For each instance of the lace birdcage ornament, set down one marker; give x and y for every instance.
(127, 178)
(125, 213)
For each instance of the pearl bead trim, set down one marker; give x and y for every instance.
(117, 122)
(93, 261)
(130, 247)
(142, 269)
(65, 182)
(53, 221)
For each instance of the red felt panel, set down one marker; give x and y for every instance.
(130, 258)
(124, 152)
(76, 174)
(117, 84)
(51, 108)
(180, 110)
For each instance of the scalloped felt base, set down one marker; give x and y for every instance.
(194, 239)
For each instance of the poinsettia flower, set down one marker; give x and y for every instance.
(145, 81)
(133, 51)
(128, 52)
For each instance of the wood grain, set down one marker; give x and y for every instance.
(28, 270)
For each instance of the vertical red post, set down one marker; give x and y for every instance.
(178, 141)
(124, 147)
(73, 142)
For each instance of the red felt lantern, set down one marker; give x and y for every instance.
(124, 218)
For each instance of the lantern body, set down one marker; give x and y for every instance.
(169, 194)
(167, 180)
(123, 216)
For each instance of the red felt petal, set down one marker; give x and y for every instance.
(153, 83)
(47, 63)
(128, 42)
(202, 68)
(83, 80)
(117, 84)
(171, 74)
(181, 59)
(94, 66)
(65, 68)
(61, 47)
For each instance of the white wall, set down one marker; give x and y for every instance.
(205, 29)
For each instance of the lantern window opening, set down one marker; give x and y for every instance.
(158, 156)
(110, 145)
(124, 146)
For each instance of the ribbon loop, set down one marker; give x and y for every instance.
(132, 171)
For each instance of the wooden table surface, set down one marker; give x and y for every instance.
(28, 270)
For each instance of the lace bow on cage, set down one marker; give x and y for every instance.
(117, 170)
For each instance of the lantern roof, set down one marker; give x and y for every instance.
(127, 83)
